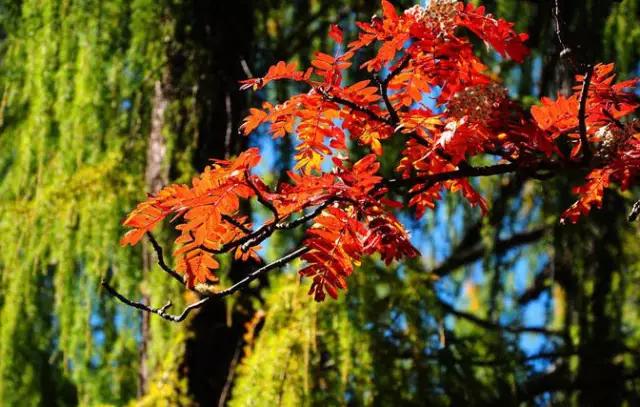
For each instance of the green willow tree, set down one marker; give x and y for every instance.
(102, 100)
(76, 82)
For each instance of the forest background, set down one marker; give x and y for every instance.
(105, 100)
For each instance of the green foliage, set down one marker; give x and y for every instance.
(305, 354)
(77, 82)
(621, 37)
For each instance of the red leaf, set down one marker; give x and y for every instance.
(336, 33)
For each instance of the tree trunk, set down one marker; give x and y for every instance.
(213, 42)
(156, 176)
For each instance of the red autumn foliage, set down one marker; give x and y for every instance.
(420, 54)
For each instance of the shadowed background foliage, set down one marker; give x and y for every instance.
(105, 100)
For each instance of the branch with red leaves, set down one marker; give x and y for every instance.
(427, 61)
(162, 311)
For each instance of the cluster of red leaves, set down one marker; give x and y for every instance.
(210, 212)
(420, 54)
(359, 226)
(617, 144)
(212, 223)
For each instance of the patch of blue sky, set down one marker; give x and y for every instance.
(261, 139)
(536, 75)
(531, 343)
(126, 104)
(430, 101)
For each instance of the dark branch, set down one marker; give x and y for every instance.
(259, 235)
(384, 90)
(353, 106)
(162, 311)
(584, 95)
(161, 262)
(261, 198)
(494, 325)
(565, 51)
(635, 211)
(539, 285)
(159, 311)
(478, 251)
(455, 174)
(262, 270)
(311, 215)
(237, 224)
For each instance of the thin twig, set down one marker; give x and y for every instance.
(565, 51)
(159, 311)
(393, 113)
(261, 198)
(220, 294)
(257, 273)
(582, 125)
(237, 224)
(384, 90)
(635, 211)
(354, 106)
(161, 262)
(311, 215)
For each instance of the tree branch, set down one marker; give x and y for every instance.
(494, 325)
(257, 273)
(261, 198)
(584, 95)
(635, 211)
(161, 262)
(159, 311)
(538, 286)
(237, 224)
(477, 252)
(208, 295)
(353, 106)
(311, 215)
(565, 51)
(455, 174)
(384, 90)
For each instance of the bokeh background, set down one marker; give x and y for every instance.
(103, 101)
